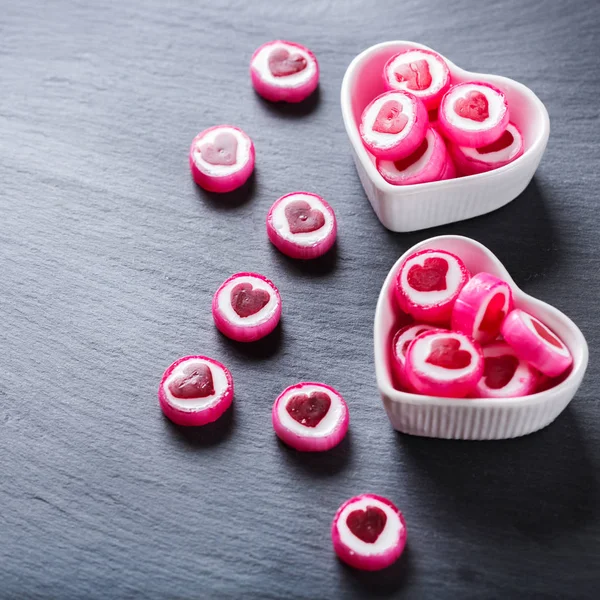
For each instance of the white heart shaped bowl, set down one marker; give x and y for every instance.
(479, 418)
(414, 207)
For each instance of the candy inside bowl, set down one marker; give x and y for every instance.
(418, 206)
(473, 418)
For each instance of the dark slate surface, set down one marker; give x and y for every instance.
(109, 257)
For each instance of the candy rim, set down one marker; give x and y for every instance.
(352, 128)
(495, 267)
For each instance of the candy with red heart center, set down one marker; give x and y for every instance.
(246, 307)
(426, 163)
(444, 363)
(481, 306)
(423, 73)
(505, 375)
(247, 301)
(428, 284)
(221, 158)
(535, 343)
(309, 409)
(302, 225)
(473, 114)
(283, 71)
(368, 532)
(400, 344)
(506, 149)
(310, 417)
(393, 125)
(195, 390)
(282, 63)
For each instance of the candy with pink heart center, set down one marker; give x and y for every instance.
(246, 307)
(394, 125)
(444, 363)
(221, 158)
(195, 390)
(428, 284)
(283, 71)
(535, 343)
(505, 375)
(473, 114)
(368, 532)
(481, 307)
(310, 417)
(302, 225)
(423, 73)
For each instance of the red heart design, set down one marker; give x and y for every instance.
(544, 333)
(282, 63)
(499, 370)
(390, 118)
(415, 73)
(195, 382)
(494, 315)
(309, 410)
(368, 524)
(505, 140)
(446, 353)
(431, 277)
(247, 301)
(473, 106)
(222, 151)
(302, 218)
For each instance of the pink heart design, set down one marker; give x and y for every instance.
(473, 106)
(282, 63)
(195, 382)
(302, 219)
(247, 301)
(222, 151)
(390, 118)
(416, 74)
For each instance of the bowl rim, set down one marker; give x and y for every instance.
(353, 133)
(384, 382)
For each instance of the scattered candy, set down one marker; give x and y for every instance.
(481, 307)
(246, 307)
(195, 390)
(473, 114)
(400, 345)
(368, 532)
(505, 375)
(534, 342)
(393, 125)
(427, 163)
(302, 225)
(421, 72)
(284, 71)
(428, 283)
(221, 158)
(444, 363)
(310, 417)
(507, 148)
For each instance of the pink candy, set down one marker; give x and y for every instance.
(221, 158)
(246, 307)
(310, 417)
(534, 342)
(195, 390)
(473, 114)
(481, 307)
(427, 163)
(393, 125)
(428, 284)
(368, 532)
(283, 71)
(400, 345)
(444, 363)
(505, 375)
(302, 225)
(423, 73)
